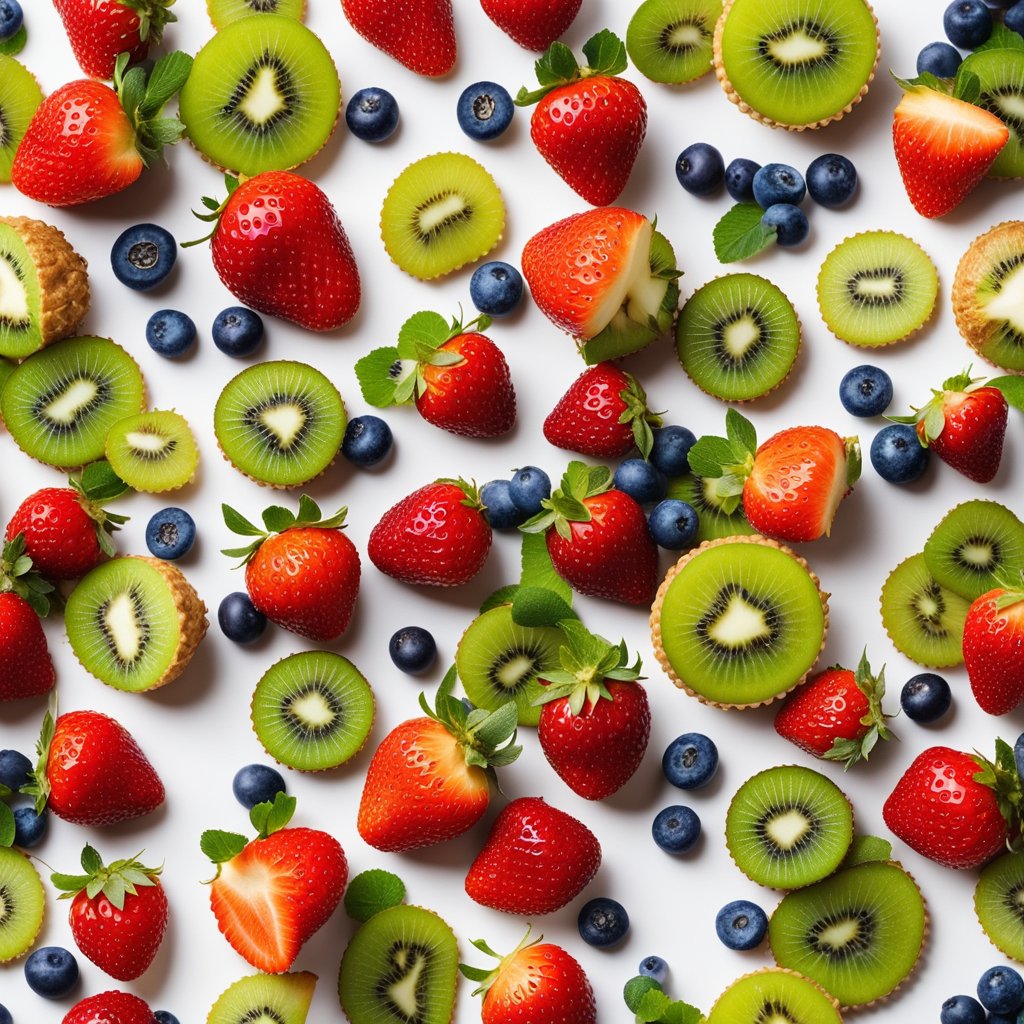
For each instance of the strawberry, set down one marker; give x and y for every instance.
(429, 780)
(604, 414)
(421, 35)
(118, 913)
(957, 809)
(993, 648)
(87, 140)
(99, 30)
(437, 536)
(110, 1008)
(26, 669)
(597, 537)
(837, 715)
(456, 376)
(301, 572)
(533, 24)
(273, 893)
(536, 860)
(944, 146)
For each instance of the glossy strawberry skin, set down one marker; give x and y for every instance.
(827, 708)
(98, 31)
(421, 36)
(971, 440)
(26, 668)
(533, 24)
(541, 984)
(993, 649)
(110, 1008)
(60, 535)
(586, 418)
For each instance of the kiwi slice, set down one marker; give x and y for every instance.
(20, 95)
(153, 451)
(924, 620)
(1001, 77)
(263, 95)
(877, 288)
(499, 660)
(265, 999)
(59, 404)
(22, 903)
(401, 967)
(798, 64)
(738, 337)
(669, 41)
(858, 934)
(739, 621)
(712, 522)
(440, 213)
(223, 12)
(774, 996)
(280, 423)
(999, 903)
(135, 623)
(312, 711)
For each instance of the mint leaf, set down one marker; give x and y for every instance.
(100, 483)
(967, 87)
(169, 75)
(709, 455)
(538, 606)
(427, 329)
(605, 53)
(537, 568)
(6, 825)
(741, 433)
(379, 375)
(503, 595)
(1011, 387)
(371, 892)
(740, 233)
(268, 818)
(652, 1005)
(222, 846)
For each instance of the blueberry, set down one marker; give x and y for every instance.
(739, 179)
(143, 255)
(239, 620)
(831, 180)
(641, 480)
(528, 487)
(170, 333)
(939, 59)
(164, 1017)
(962, 1010)
(654, 967)
(412, 649)
(789, 221)
(1002, 1018)
(502, 511)
(897, 454)
(1018, 755)
(11, 18)
(671, 450)
(484, 110)
(778, 183)
(690, 761)
(51, 972)
(603, 922)
(496, 288)
(1001, 990)
(372, 115)
(1014, 18)
(170, 534)
(256, 784)
(5, 1014)
(673, 525)
(741, 925)
(865, 391)
(700, 169)
(29, 827)
(237, 331)
(676, 829)
(15, 769)
(367, 441)
(925, 697)
(968, 23)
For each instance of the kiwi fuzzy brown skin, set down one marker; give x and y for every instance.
(782, 970)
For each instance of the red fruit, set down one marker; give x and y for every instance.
(437, 536)
(26, 669)
(537, 859)
(993, 648)
(110, 1008)
(533, 24)
(421, 35)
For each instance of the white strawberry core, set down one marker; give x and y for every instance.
(797, 48)
(1008, 303)
(838, 935)
(740, 336)
(13, 297)
(68, 405)
(122, 627)
(285, 422)
(434, 215)
(263, 99)
(402, 993)
(786, 830)
(629, 285)
(838, 492)
(739, 624)
(312, 709)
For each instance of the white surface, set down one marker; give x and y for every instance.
(196, 731)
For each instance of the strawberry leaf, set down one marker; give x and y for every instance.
(13, 45)
(1012, 388)
(69, 885)
(309, 511)
(221, 847)
(427, 330)
(605, 53)
(277, 518)
(169, 74)
(268, 818)
(237, 523)
(741, 234)
(709, 456)
(6, 826)
(381, 372)
(372, 891)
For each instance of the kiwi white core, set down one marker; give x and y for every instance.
(311, 709)
(1008, 303)
(877, 287)
(71, 402)
(788, 829)
(513, 672)
(286, 422)
(977, 553)
(121, 626)
(839, 934)
(739, 624)
(412, 963)
(13, 296)
(740, 336)
(798, 47)
(263, 100)
(448, 208)
(684, 36)
(147, 443)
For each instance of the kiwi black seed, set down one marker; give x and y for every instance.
(20, 95)
(223, 12)
(712, 522)
(1001, 80)
(22, 903)
(265, 999)
(774, 996)
(669, 41)
(999, 903)
(153, 451)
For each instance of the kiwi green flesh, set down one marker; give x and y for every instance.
(223, 12)
(313, 710)
(265, 999)
(999, 903)
(788, 826)
(1000, 298)
(22, 903)
(712, 522)
(669, 41)
(774, 997)
(857, 934)
(401, 967)
(1001, 77)
(738, 337)
(20, 95)
(153, 451)
(19, 295)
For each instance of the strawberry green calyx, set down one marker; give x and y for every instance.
(96, 485)
(215, 208)
(605, 54)
(1002, 777)
(469, 489)
(18, 577)
(849, 752)
(966, 86)
(267, 818)
(277, 519)
(144, 98)
(727, 460)
(638, 416)
(930, 418)
(115, 880)
(153, 16)
(486, 978)
(39, 785)
(565, 505)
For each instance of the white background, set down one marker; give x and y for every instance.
(196, 731)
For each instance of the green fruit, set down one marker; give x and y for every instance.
(265, 999)
(670, 40)
(20, 95)
(153, 451)
(712, 522)
(223, 12)
(999, 903)
(22, 903)
(1001, 78)
(773, 996)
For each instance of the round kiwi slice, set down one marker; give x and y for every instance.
(499, 660)
(440, 213)
(712, 522)
(739, 621)
(265, 999)
(22, 903)
(788, 826)
(797, 64)
(738, 337)
(858, 934)
(401, 967)
(59, 404)
(1001, 77)
(877, 288)
(774, 996)
(263, 95)
(223, 12)
(669, 41)
(924, 620)
(999, 903)
(135, 623)
(280, 423)
(312, 711)
(153, 451)
(20, 95)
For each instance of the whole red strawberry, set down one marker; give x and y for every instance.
(110, 1008)
(421, 35)
(457, 377)
(438, 536)
(993, 647)
(26, 668)
(533, 24)
(301, 572)
(118, 913)
(537, 859)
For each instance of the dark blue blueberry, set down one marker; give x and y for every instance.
(925, 697)
(143, 255)
(1018, 755)
(741, 925)
(496, 288)
(256, 784)
(654, 967)
(603, 922)
(239, 620)
(1013, 19)
(690, 761)
(165, 1017)
(484, 110)
(412, 649)
(962, 1010)
(676, 829)
(5, 1016)
(939, 59)
(1001, 990)
(789, 221)
(739, 179)
(1002, 1018)
(968, 23)
(29, 827)
(528, 487)
(15, 769)
(671, 450)
(372, 115)
(778, 183)
(238, 331)
(502, 511)
(865, 391)
(170, 333)
(641, 480)
(831, 180)
(11, 18)
(897, 454)
(700, 169)
(673, 525)
(367, 441)
(51, 972)
(170, 534)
